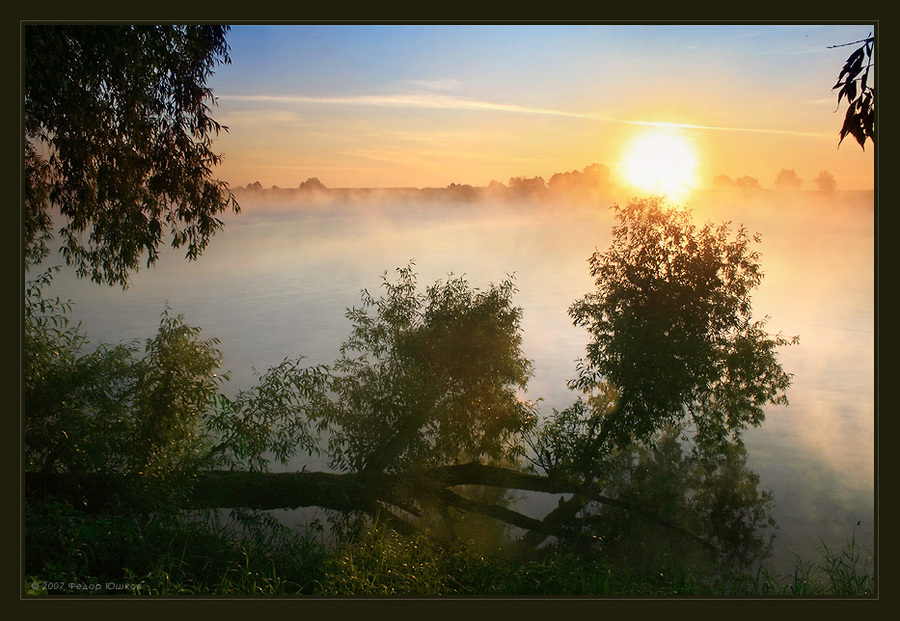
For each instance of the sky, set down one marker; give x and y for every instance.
(431, 105)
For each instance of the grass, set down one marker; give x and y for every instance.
(839, 572)
(70, 553)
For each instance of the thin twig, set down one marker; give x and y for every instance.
(866, 40)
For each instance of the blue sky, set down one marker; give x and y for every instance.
(429, 105)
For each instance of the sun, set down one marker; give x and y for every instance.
(660, 161)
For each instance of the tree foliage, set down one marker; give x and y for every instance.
(118, 142)
(674, 353)
(671, 328)
(787, 180)
(428, 379)
(272, 420)
(858, 88)
(112, 410)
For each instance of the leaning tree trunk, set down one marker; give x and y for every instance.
(386, 495)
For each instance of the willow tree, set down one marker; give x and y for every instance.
(118, 143)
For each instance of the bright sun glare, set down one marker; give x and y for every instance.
(660, 161)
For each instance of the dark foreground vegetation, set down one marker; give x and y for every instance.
(128, 555)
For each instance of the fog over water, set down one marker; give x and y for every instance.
(276, 282)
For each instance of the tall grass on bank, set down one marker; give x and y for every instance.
(173, 556)
(847, 571)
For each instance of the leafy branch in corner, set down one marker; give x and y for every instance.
(855, 85)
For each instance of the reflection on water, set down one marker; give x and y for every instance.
(727, 522)
(276, 282)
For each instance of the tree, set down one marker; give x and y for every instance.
(111, 411)
(854, 84)
(749, 185)
(672, 333)
(825, 182)
(118, 141)
(429, 379)
(526, 187)
(787, 180)
(723, 181)
(673, 343)
(312, 185)
(588, 182)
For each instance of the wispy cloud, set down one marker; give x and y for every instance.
(409, 100)
(726, 129)
(447, 102)
(442, 84)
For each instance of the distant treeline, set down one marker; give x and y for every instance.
(592, 182)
